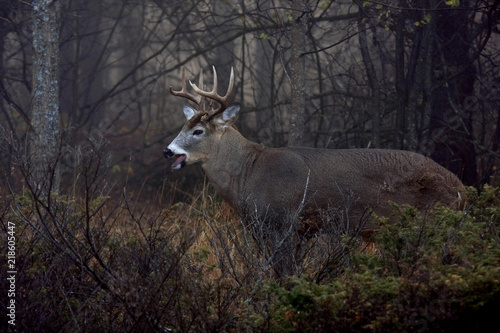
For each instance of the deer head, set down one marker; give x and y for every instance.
(195, 140)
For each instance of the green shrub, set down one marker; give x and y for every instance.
(436, 272)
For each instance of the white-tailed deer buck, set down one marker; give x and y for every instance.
(270, 183)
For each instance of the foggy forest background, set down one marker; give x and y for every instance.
(413, 75)
(103, 237)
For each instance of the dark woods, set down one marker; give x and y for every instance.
(421, 76)
(105, 238)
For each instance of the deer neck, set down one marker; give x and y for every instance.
(227, 166)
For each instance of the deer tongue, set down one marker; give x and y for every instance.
(180, 161)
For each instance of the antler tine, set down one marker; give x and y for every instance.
(183, 92)
(222, 100)
(202, 98)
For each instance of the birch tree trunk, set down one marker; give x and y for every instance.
(45, 94)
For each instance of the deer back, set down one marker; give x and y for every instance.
(280, 180)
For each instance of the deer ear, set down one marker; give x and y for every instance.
(229, 116)
(189, 112)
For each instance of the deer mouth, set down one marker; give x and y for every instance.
(180, 161)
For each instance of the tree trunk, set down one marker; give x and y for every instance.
(45, 138)
(455, 147)
(372, 81)
(401, 87)
(297, 74)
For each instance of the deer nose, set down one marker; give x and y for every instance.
(168, 153)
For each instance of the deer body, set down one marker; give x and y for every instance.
(272, 183)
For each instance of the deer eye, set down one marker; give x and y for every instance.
(198, 132)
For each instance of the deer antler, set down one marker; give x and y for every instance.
(213, 95)
(183, 92)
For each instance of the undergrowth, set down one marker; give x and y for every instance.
(96, 260)
(434, 273)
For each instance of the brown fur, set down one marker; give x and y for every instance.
(272, 184)
(272, 181)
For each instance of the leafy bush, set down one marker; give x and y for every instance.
(433, 273)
